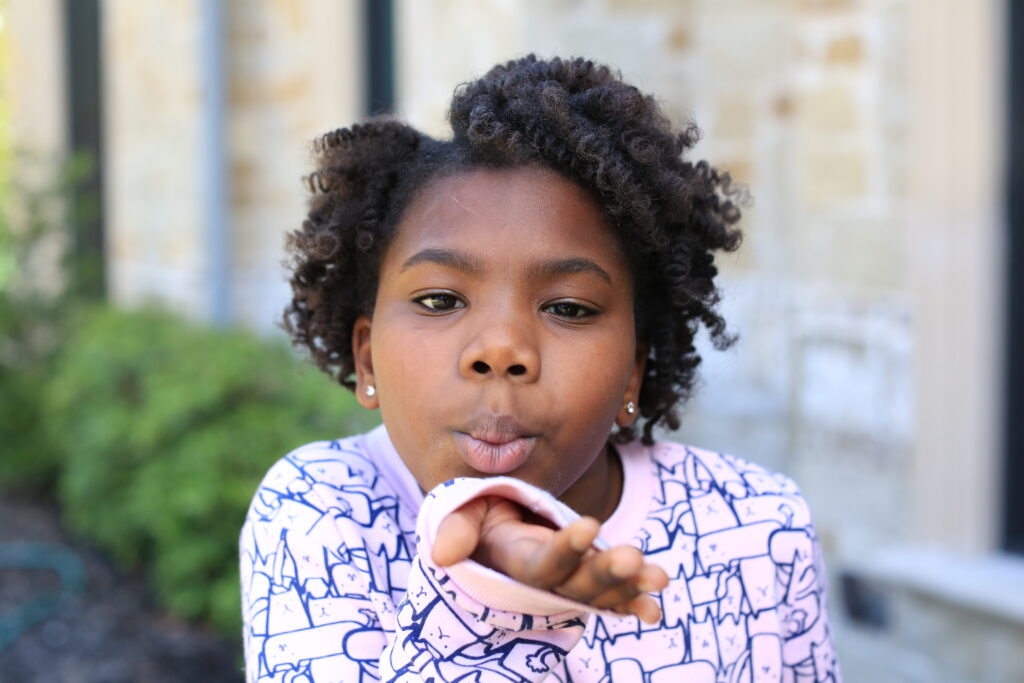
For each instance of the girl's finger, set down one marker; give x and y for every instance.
(649, 579)
(556, 561)
(603, 571)
(458, 534)
(616, 596)
(645, 607)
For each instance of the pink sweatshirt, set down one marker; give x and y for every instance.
(338, 585)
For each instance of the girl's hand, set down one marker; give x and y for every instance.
(494, 532)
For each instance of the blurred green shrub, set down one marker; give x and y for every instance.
(164, 430)
(152, 433)
(37, 302)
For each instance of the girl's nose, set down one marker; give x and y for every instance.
(500, 350)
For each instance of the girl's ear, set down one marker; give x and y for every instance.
(629, 412)
(366, 389)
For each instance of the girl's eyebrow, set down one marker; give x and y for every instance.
(445, 257)
(457, 260)
(568, 266)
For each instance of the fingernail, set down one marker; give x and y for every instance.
(653, 615)
(578, 542)
(620, 570)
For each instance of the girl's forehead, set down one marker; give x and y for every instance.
(503, 211)
(541, 188)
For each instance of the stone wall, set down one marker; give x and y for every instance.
(292, 74)
(34, 80)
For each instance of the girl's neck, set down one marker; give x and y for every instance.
(597, 493)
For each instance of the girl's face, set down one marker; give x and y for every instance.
(502, 340)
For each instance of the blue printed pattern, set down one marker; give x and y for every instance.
(332, 589)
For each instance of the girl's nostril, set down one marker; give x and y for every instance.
(516, 370)
(481, 367)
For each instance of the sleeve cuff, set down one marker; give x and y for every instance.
(488, 588)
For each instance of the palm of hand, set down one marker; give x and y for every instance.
(500, 534)
(508, 543)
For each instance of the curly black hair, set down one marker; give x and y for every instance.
(575, 117)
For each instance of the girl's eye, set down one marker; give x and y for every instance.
(570, 309)
(439, 302)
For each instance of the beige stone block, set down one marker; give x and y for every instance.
(679, 37)
(648, 5)
(782, 105)
(830, 108)
(244, 176)
(123, 245)
(734, 117)
(815, 6)
(848, 50)
(32, 84)
(739, 170)
(293, 88)
(744, 45)
(828, 176)
(862, 253)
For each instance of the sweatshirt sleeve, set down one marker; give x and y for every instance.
(808, 648)
(467, 618)
(333, 590)
(317, 601)
(795, 638)
(759, 570)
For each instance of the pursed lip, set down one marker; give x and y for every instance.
(495, 429)
(495, 444)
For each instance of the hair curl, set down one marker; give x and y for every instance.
(575, 117)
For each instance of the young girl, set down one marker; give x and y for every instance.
(513, 300)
